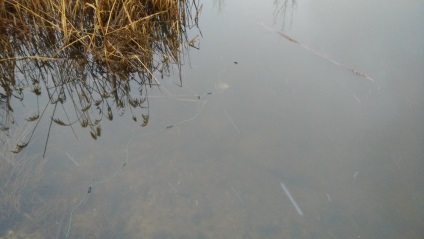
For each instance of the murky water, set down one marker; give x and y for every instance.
(348, 150)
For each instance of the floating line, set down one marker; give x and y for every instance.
(237, 195)
(357, 99)
(298, 210)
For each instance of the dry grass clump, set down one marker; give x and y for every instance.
(122, 35)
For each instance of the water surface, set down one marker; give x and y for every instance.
(349, 150)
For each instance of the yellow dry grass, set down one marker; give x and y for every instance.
(121, 35)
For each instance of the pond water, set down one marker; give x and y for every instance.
(267, 138)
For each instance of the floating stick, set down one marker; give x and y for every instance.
(174, 188)
(356, 98)
(237, 195)
(298, 210)
(232, 122)
(72, 159)
(317, 53)
(355, 175)
(328, 197)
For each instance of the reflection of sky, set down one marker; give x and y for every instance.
(314, 125)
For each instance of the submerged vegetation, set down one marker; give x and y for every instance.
(20, 177)
(98, 56)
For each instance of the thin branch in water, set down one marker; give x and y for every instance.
(317, 53)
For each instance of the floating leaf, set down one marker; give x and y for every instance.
(86, 108)
(53, 101)
(62, 97)
(82, 95)
(59, 122)
(33, 117)
(134, 102)
(4, 128)
(36, 90)
(104, 94)
(84, 123)
(98, 131)
(93, 135)
(98, 102)
(19, 147)
(145, 120)
(109, 113)
(120, 103)
(134, 118)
